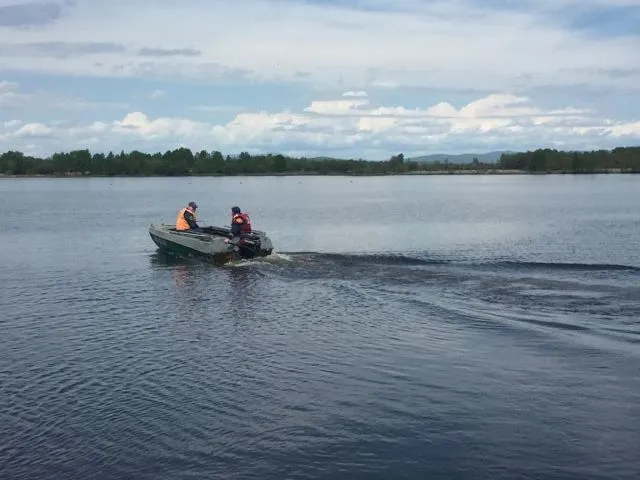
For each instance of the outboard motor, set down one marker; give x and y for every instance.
(249, 245)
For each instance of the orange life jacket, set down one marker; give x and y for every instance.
(181, 223)
(244, 220)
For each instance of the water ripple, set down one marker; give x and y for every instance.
(506, 353)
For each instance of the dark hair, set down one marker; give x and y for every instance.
(235, 209)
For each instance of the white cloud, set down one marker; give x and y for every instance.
(31, 130)
(218, 108)
(460, 45)
(139, 125)
(11, 96)
(352, 93)
(6, 86)
(349, 127)
(587, 3)
(157, 93)
(335, 107)
(435, 44)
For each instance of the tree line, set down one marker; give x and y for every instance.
(182, 162)
(553, 161)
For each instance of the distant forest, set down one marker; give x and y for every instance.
(183, 162)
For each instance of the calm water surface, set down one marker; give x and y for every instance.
(427, 327)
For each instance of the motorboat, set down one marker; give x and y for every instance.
(210, 243)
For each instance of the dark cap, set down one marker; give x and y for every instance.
(235, 209)
(193, 205)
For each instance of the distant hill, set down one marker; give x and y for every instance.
(489, 157)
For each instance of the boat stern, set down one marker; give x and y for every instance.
(266, 246)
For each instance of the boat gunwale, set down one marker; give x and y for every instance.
(215, 240)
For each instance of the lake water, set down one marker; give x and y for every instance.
(467, 327)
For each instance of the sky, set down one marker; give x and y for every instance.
(342, 78)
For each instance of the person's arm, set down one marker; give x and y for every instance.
(236, 226)
(188, 216)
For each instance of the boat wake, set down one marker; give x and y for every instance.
(575, 297)
(418, 259)
(274, 259)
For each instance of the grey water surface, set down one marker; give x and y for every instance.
(458, 327)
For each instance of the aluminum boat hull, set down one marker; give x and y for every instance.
(209, 243)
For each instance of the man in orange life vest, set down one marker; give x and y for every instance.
(186, 219)
(240, 223)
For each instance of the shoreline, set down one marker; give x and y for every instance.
(612, 171)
